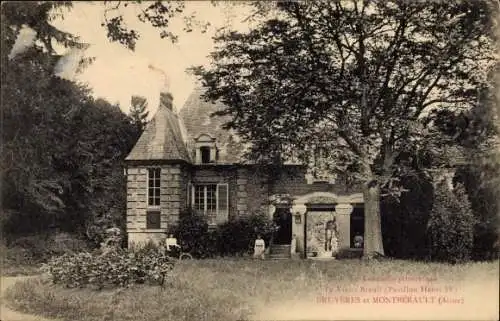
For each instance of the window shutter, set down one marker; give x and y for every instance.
(222, 203)
(189, 198)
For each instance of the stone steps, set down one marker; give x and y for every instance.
(279, 252)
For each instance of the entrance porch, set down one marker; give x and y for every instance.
(319, 225)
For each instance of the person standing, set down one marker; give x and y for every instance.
(259, 248)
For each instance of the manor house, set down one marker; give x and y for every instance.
(187, 159)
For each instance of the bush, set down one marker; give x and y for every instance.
(112, 267)
(39, 248)
(236, 237)
(194, 235)
(482, 186)
(404, 219)
(451, 225)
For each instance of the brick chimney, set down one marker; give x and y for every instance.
(166, 99)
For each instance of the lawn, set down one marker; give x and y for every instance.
(243, 289)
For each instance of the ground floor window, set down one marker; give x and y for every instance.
(211, 200)
(205, 198)
(154, 186)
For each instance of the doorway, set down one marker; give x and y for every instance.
(357, 227)
(283, 219)
(321, 233)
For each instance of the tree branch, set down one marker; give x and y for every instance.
(445, 101)
(344, 134)
(393, 49)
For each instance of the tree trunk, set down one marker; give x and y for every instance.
(373, 245)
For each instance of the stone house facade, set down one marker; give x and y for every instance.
(187, 160)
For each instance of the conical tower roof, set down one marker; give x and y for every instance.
(162, 138)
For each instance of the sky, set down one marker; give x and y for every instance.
(118, 73)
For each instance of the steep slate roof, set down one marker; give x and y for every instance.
(162, 138)
(169, 136)
(195, 115)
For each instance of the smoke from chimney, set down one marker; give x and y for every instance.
(166, 82)
(166, 97)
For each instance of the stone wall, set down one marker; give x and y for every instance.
(172, 200)
(252, 192)
(136, 199)
(172, 194)
(293, 181)
(249, 194)
(248, 189)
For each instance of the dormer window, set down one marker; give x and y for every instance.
(206, 150)
(205, 154)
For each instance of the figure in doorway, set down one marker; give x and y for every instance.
(331, 241)
(358, 241)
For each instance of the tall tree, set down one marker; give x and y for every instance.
(61, 149)
(358, 79)
(138, 112)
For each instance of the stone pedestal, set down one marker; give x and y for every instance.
(343, 214)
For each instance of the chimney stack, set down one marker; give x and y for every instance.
(166, 99)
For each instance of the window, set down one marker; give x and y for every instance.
(212, 201)
(206, 149)
(153, 220)
(205, 154)
(153, 187)
(204, 198)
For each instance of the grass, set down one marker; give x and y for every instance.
(25, 255)
(223, 289)
(20, 269)
(16, 262)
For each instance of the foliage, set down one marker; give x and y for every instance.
(40, 247)
(38, 15)
(355, 80)
(114, 267)
(194, 236)
(475, 132)
(138, 113)
(236, 237)
(158, 14)
(404, 220)
(451, 225)
(62, 149)
(25, 254)
(483, 187)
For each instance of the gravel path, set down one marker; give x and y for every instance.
(7, 314)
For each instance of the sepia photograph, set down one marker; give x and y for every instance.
(250, 160)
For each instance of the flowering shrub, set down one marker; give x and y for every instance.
(114, 267)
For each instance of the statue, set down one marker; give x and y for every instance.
(331, 239)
